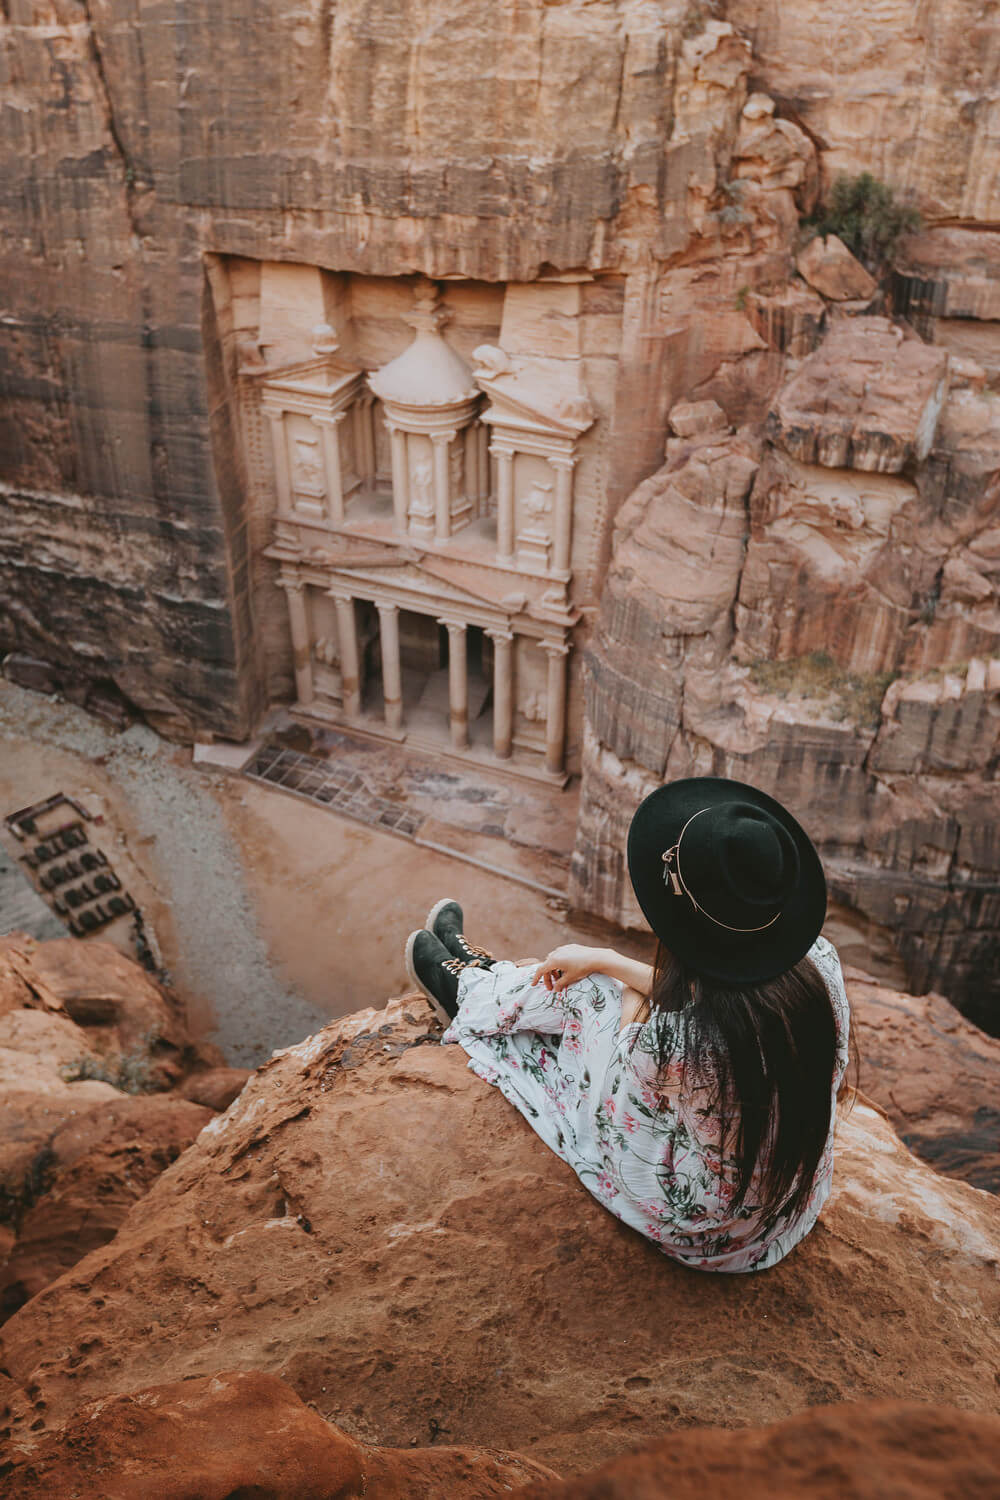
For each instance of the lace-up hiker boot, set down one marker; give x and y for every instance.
(445, 919)
(436, 971)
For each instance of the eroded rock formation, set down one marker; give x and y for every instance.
(376, 1226)
(936, 1076)
(865, 1451)
(245, 1433)
(89, 1047)
(220, 1435)
(845, 653)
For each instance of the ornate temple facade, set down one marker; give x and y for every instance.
(426, 524)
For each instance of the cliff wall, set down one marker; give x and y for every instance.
(462, 140)
(154, 158)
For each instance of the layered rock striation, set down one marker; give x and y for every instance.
(845, 653)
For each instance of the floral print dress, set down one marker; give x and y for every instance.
(647, 1151)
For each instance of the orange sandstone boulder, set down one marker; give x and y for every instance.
(86, 1040)
(216, 1088)
(243, 1433)
(373, 1224)
(95, 1165)
(850, 1452)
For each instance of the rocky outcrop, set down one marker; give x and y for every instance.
(946, 283)
(862, 1451)
(244, 1433)
(369, 1213)
(936, 1076)
(89, 1050)
(830, 269)
(220, 1435)
(868, 399)
(856, 80)
(844, 656)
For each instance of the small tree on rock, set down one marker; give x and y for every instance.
(864, 214)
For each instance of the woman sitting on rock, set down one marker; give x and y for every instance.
(695, 1099)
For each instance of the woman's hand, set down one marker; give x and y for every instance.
(565, 965)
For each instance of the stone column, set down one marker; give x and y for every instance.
(484, 460)
(505, 503)
(442, 485)
(350, 666)
(400, 478)
(298, 619)
(555, 718)
(392, 677)
(331, 462)
(503, 692)
(364, 437)
(282, 476)
(563, 537)
(472, 467)
(458, 684)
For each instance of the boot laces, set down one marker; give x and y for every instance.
(474, 948)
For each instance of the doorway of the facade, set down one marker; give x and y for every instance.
(424, 648)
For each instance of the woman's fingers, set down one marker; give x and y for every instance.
(548, 973)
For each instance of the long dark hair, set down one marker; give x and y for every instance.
(766, 1054)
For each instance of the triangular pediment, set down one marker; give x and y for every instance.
(322, 376)
(425, 586)
(520, 403)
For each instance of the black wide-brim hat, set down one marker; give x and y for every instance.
(727, 879)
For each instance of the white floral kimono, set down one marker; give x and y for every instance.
(647, 1152)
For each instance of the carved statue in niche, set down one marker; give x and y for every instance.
(456, 470)
(422, 481)
(308, 475)
(325, 651)
(537, 505)
(533, 708)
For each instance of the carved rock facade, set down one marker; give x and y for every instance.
(336, 402)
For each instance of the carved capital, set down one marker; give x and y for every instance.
(499, 636)
(386, 610)
(453, 627)
(566, 461)
(291, 583)
(340, 596)
(554, 648)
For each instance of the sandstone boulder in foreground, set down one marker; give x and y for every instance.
(378, 1227)
(244, 1433)
(851, 1452)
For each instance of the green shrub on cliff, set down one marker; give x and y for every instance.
(863, 212)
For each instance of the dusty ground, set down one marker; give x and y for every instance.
(272, 915)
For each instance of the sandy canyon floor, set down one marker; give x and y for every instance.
(272, 915)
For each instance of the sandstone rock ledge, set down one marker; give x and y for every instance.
(244, 1433)
(90, 1053)
(377, 1227)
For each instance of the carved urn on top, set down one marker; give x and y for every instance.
(440, 474)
